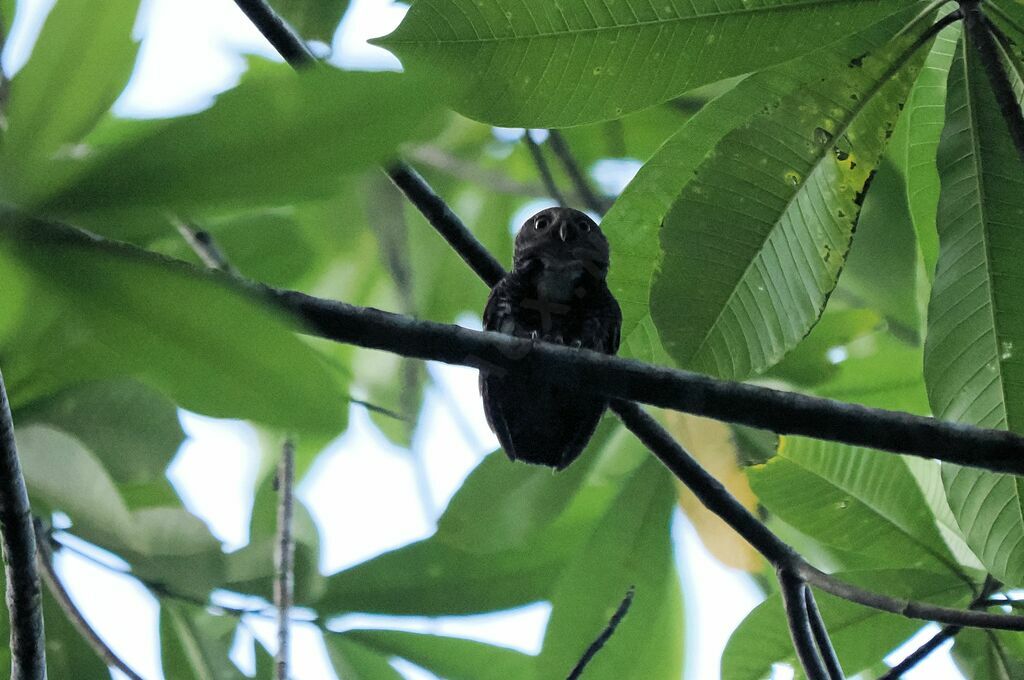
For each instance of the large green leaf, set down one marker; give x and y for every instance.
(756, 240)
(447, 657)
(278, 137)
(916, 141)
(854, 499)
(313, 19)
(631, 547)
(973, 365)
(102, 309)
(353, 661)
(536, 63)
(132, 428)
(861, 636)
(81, 62)
(989, 654)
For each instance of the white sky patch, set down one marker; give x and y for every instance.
(613, 174)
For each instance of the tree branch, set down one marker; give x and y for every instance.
(980, 37)
(284, 556)
(543, 168)
(821, 639)
(606, 634)
(280, 35)
(561, 148)
(24, 599)
(446, 223)
(761, 407)
(63, 598)
(794, 599)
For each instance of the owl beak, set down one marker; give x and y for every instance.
(563, 230)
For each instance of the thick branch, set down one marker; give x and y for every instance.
(74, 615)
(284, 556)
(761, 407)
(604, 637)
(794, 598)
(24, 603)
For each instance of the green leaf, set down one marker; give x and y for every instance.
(916, 141)
(861, 636)
(631, 547)
(278, 137)
(854, 499)
(313, 19)
(973, 372)
(534, 63)
(104, 309)
(808, 364)
(133, 429)
(758, 236)
(68, 655)
(194, 645)
(81, 62)
(353, 661)
(1008, 15)
(989, 654)
(447, 657)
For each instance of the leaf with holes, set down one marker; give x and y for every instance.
(755, 242)
(538, 63)
(973, 363)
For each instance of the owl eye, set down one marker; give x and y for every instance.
(540, 223)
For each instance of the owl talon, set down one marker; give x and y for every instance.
(576, 344)
(534, 335)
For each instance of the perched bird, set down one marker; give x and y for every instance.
(556, 292)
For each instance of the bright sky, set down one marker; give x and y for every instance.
(191, 51)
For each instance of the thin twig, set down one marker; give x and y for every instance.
(590, 198)
(947, 632)
(56, 587)
(495, 181)
(794, 599)
(606, 634)
(821, 639)
(980, 38)
(284, 556)
(24, 600)
(543, 168)
(280, 35)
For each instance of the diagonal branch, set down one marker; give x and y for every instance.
(278, 33)
(561, 148)
(24, 599)
(56, 587)
(821, 639)
(543, 168)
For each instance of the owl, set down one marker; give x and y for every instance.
(556, 292)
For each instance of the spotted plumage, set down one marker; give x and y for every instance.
(555, 292)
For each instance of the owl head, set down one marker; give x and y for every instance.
(563, 234)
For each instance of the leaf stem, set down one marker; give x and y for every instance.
(794, 599)
(821, 639)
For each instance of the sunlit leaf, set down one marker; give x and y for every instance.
(353, 661)
(447, 657)
(755, 243)
(536, 63)
(194, 645)
(854, 499)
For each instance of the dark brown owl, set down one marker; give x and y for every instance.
(555, 292)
